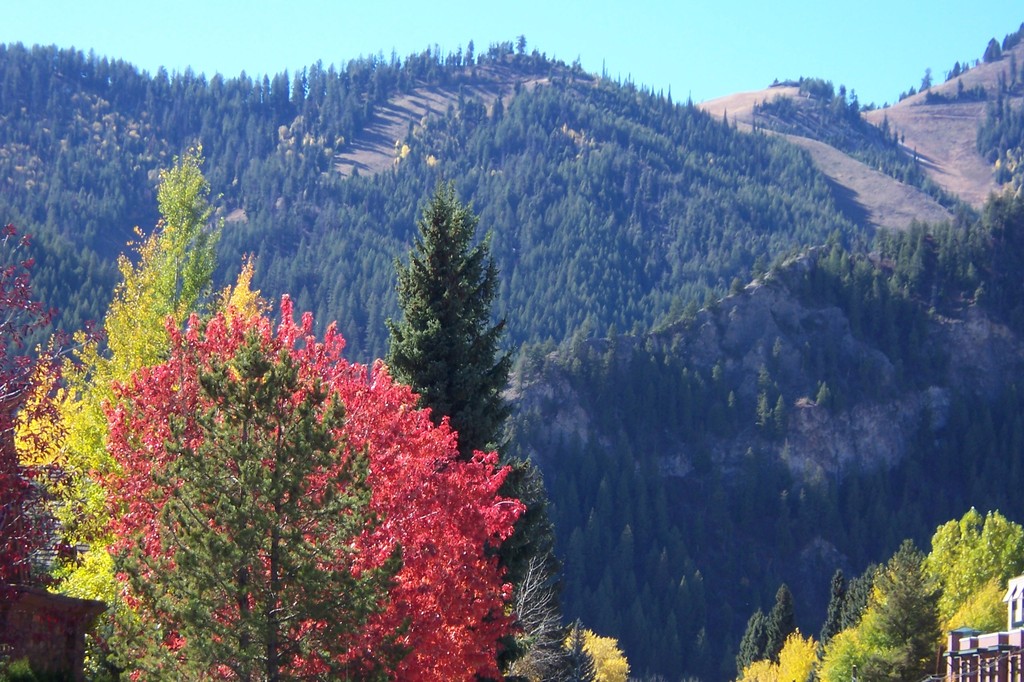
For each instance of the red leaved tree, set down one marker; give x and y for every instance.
(23, 521)
(441, 611)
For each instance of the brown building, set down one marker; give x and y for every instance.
(972, 656)
(48, 629)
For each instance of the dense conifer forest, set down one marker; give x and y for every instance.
(675, 482)
(606, 204)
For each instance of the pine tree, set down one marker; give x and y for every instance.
(580, 663)
(780, 623)
(857, 595)
(755, 638)
(446, 347)
(834, 616)
(905, 617)
(265, 506)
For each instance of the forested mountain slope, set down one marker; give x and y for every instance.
(607, 205)
(813, 420)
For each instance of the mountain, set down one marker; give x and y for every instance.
(810, 422)
(936, 128)
(742, 360)
(814, 418)
(607, 205)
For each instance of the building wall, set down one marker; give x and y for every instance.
(48, 629)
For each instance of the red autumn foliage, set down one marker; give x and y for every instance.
(449, 599)
(23, 521)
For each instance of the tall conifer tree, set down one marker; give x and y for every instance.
(446, 347)
(754, 642)
(834, 616)
(781, 622)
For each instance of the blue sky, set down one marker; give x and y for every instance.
(699, 49)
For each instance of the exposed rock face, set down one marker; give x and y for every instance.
(982, 352)
(871, 434)
(767, 326)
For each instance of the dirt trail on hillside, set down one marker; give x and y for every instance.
(942, 134)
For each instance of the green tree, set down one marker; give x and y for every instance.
(857, 596)
(834, 616)
(781, 622)
(580, 666)
(446, 347)
(968, 554)
(261, 504)
(993, 53)
(902, 619)
(753, 644)
(898, 636)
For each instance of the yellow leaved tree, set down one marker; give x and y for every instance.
(167, 278)
(796, 662)
(971, 560)
(610, 664)
(173, 269)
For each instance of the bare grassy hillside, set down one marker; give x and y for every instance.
(943, 135)
(880, 200)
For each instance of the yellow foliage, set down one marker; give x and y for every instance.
(968, 553)
(242, 300)
(173, 270)
(797, 658)
(842, 653)
(760, 671)
(984, 610)
(609, 661)
(93, 578)
(36, 434)
(796, 662)
(431, 160)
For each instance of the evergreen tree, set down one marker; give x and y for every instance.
(857, 595)
(902, 620)
(897, 637)
(260, 528)
(780, 623)
(754, 642)
(446, 347)
(834, 616)
(580, 663)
